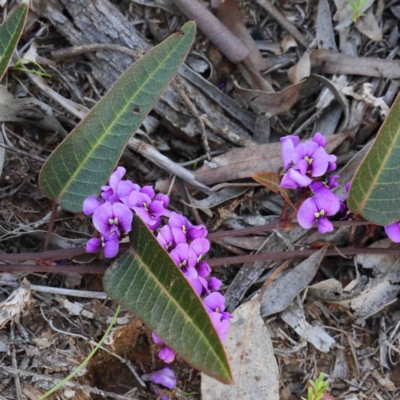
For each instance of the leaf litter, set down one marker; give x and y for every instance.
(340, 317)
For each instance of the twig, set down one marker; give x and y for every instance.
(72, 384)
(64, 292)
(194, 112)
(283, 21)
(214, 29)
(14, 363)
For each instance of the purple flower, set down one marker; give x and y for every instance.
(318, 208)
(325, 188)
(165, 377)
(214, 302)
(109, 218)
(183, 230)
(214, 283)
(109, 192)
(393, 231)
(180, 255)
(166, 238)
(319, 139)
(91, 204)
(109, 244)
(289, 143)
(197, 249)
(167, 355)
(312, 158)
(221, 325)
(124, 189)
(293, 179)
(149, 211)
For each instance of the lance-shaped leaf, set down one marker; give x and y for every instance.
(86, 158)
(10, 32)
(147, 282)
(375, 189)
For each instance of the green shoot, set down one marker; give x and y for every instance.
(357, 6)
(317, 389)
(85, 361)
(42, 72)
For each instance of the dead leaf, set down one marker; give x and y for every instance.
(251, 355)
(11, 308)
(273, 103)
(280, 293)
(28, 110)
(295, 318)
(324, 28)
(245, 162)
(218, 198)
(368, 26)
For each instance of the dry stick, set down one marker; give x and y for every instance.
(14, 362)
(214, 29)
(213, 262)
(71, 384)
(193, 110)
(283, 21)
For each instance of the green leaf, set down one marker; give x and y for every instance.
(86, 158)
(375, 189)
(147, 282)
(10, 32)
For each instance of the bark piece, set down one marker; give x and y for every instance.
(89, 22)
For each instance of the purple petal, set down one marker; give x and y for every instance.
(220, 325)
(332, 181)
(329, 203)
(180, 254)
(302, 166)
(116, 176)
(111, 247)
(306, 214)
(288, 145)
(331, 163)
(319, 188)
(196, 231)
(124, 216)
(166, 238)
(196, 284)
(393, 231)
(124, 189)
(91, 204)
(199, 247)
(319, 163)
(152, 223)
(136, 199)
(165, 377)
(93, 245)
(304, 150)
(319, 139)
(148, 190)
(214, 283)
(101, 218)
(214, 302)
(167, 355)
(324, 225)
(294, 179)
(164, 198)
(203, 269)
(156, 339)
(156, 208)
(347, 186)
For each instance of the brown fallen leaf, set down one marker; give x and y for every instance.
(245, 162)
(252, 359)
(277, 103)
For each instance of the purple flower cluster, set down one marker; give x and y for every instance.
(186, 244)
(306, 163)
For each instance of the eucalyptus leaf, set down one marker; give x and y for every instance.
(147, 282)
(10, 32)
(86, 158)
(375, 189)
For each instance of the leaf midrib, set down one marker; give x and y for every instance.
(139, 259)
(71, 180)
